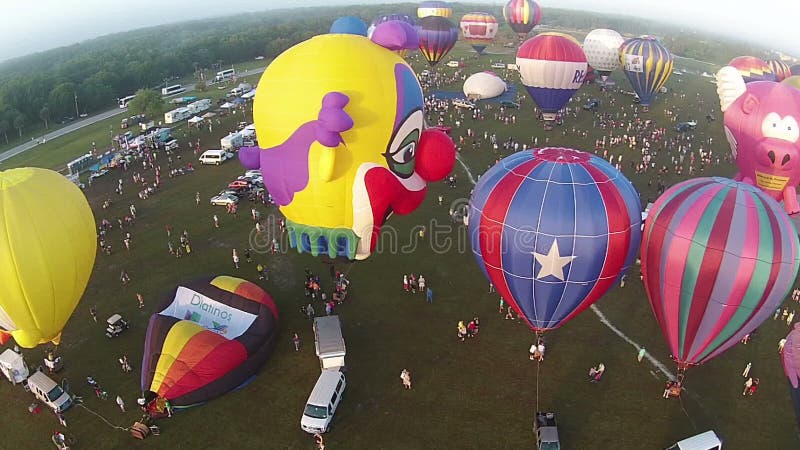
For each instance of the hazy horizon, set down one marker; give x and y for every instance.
(69, 22)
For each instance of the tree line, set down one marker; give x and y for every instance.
(87, 77)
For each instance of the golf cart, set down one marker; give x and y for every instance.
(546, 429)
(116, 325)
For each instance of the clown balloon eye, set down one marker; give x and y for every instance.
(404, 154)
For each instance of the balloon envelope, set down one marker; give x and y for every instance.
(349, 25)
(752, 68)
(647, 65)
(48, 244)
(437, 36)
(479, 29)
(552, 68)
(601, 47)
(388, 17)
(208, 338)
(791, 366)
(718, 257)
(553, 229)
(522, 16)
(483, 85)
(434, 8)
(779, 69)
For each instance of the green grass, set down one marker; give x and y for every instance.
(479, 394)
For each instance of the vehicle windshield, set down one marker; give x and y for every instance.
(317, 412)
(54, 394)
(549, 446)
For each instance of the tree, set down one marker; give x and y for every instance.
(147, 102)
(4, 127)
(61, 100)
(44, 114)
(201, 86)
(19, 122)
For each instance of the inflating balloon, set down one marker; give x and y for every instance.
(411, 35)
(340, 121)
(761, 124)
(601, 47)
(647, 65)
(46, 253)
(780, 69)
(349, 25)
(208, 338)
(483, 85)
(553, 229)
(479, 30)
(718, 257)
(791, 366)
(437, 36)
(552, 68)
(434, 8)
(752, 68)
(522, 16)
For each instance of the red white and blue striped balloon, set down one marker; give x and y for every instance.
(718, 257)
(553, 229)
(552, 68)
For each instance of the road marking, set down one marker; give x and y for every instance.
(658, 364)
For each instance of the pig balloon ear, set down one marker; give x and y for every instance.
(396, 35)
(750, 103)
(730, 86)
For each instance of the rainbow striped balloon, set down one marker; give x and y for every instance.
(553, 229)
(752, 68)
(434, 8)
(780, 69)
(718, 257)
(647, 65)
(522, 16)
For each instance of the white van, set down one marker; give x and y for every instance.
(329, 343)
(703, 441)
(323, 401)
(216, 157)
(13, 366)
(452, 64)
(48, 392)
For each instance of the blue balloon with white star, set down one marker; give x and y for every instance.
(554, 229)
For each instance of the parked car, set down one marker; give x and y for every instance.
(215, 157)
(509, 104)
(592, 104)
(240, 185)
(685, 126)
(546, 429)
(115, 325)
(453, 64)
(498, 65)
(459, 103)
(224, 199)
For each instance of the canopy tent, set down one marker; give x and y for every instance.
(249, 95)
(227, 105)
(209, 115)
(195, 119)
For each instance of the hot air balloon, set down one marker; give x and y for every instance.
(647, 64)
(389, 17)
(553, 229)
(752, 68)
(601, 47)
(340, 118)
(718, 257)
(479, 29)
(522, 16)
(349, 25)
(483, 85)
(791, 366)
(779, 69)
(552, 68)
(209, 337)
(437, 36)
(434, 8)
(48, 244)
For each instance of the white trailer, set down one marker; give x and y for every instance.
(199, 106)
(13, 366)
(231, 141)
(177, 115)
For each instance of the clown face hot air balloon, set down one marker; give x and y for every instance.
(601, 47)
(779, 69)
(47, 249)
(552, 68)
(718, 257)
(434, 8)
(647, 65)
(340, 120)
(437, 36)
(522, 16)
(553, 229)
(752, 68)
(479, 29)
(208, 338)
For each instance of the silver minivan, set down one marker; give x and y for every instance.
(323, 401)
(49, 392)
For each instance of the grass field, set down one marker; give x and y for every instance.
(479, 394)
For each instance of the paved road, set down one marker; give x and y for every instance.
(88, 121)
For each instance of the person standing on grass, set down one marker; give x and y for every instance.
(405, 376)
(421, 283)
(140, 299)
(296, 342)
(429, 295)
(93, 313)
(247, 255)
(746, 370)
(640, 355)
(747, 385)
(121, 404)
(235, 257)
(216, 221)
(197, 198)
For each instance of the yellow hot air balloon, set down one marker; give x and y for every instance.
(47, 250)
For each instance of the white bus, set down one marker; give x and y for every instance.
(172, 90)
(224, 75)
(123, 102)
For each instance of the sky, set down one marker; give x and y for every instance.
(43, 24)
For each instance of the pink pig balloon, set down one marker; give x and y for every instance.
(761, 124)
